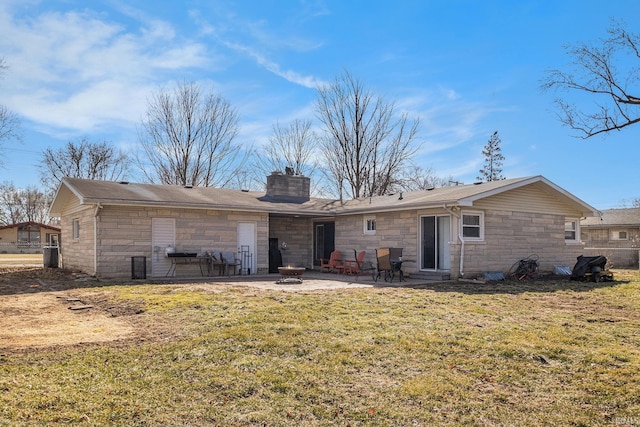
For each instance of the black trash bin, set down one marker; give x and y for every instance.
(138, 267)
(50, 256)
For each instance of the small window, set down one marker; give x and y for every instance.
(76, 229)
(473, 226)
(619, 235)
(571, 231)
(369, 225)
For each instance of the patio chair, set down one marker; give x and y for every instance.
(389, 262)
(383, 260)
(333, 264)
(354, 267)
(230, 260)
(214, 261)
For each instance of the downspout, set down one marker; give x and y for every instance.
(96, 213)
(454, 213)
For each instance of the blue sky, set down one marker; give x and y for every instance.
(465, 68)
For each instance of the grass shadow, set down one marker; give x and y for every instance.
(513, 287)
(19, 280)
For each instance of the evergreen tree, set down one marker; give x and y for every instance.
(492, 170)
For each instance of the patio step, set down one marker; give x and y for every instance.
(430, 275)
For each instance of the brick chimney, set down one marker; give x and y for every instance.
(287, 188)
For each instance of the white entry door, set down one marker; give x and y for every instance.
(163, 235)
(247, 242)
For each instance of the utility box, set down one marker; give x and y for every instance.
(138, 267)
(50, 256)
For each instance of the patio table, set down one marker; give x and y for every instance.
(183, 259)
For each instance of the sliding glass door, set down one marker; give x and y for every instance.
(435, 238)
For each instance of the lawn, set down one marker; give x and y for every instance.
(524, 354)
(12, 259)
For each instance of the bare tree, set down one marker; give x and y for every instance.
(492, 152)
(416, 178)
(365, 145)
(9, 121)
(9, 204)
(23, 204)
(630, 203)
(291, 148)
(599, 71)
(188, 138)
(83, 159)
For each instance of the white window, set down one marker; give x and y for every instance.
(76, 229)
(369, 225)
(619, 235)
(571, 232)
(473, 226)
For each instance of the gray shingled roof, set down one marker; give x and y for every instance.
(617, 217)
(114, 193)
(463, 195)
(132, 194)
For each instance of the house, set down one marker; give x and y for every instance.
(447, 232)
(615, 233)
(27, 237)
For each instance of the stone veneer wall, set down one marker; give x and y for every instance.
(393, 229)
(77, 254)
(297, 233)
(509, 237)
(126, 231)
(512, 236)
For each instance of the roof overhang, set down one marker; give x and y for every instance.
(319, 207)
(67, 191)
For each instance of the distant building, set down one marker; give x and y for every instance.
(28, 237)
(615, 234)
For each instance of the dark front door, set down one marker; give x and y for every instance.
(275, 256)
(323, 240)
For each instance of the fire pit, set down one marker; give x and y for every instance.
(290, 274)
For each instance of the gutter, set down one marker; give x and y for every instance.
(457, 215)
(96, 214)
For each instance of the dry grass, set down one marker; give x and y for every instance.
(12, 259)
(545, 353)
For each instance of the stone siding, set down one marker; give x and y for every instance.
(509, 237)
(125, 232)
(78, 254)
(512, 236)
(393, 229)
(297, 233)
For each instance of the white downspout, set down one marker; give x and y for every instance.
(454, 213)
(96, 213)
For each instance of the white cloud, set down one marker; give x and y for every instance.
(254, 39)
(77, 70)
(97, 106)
(463, 169)
(446, 118)
(289, 75)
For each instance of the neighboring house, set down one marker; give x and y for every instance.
(447, 232)
(27, 237)
(614, 234)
